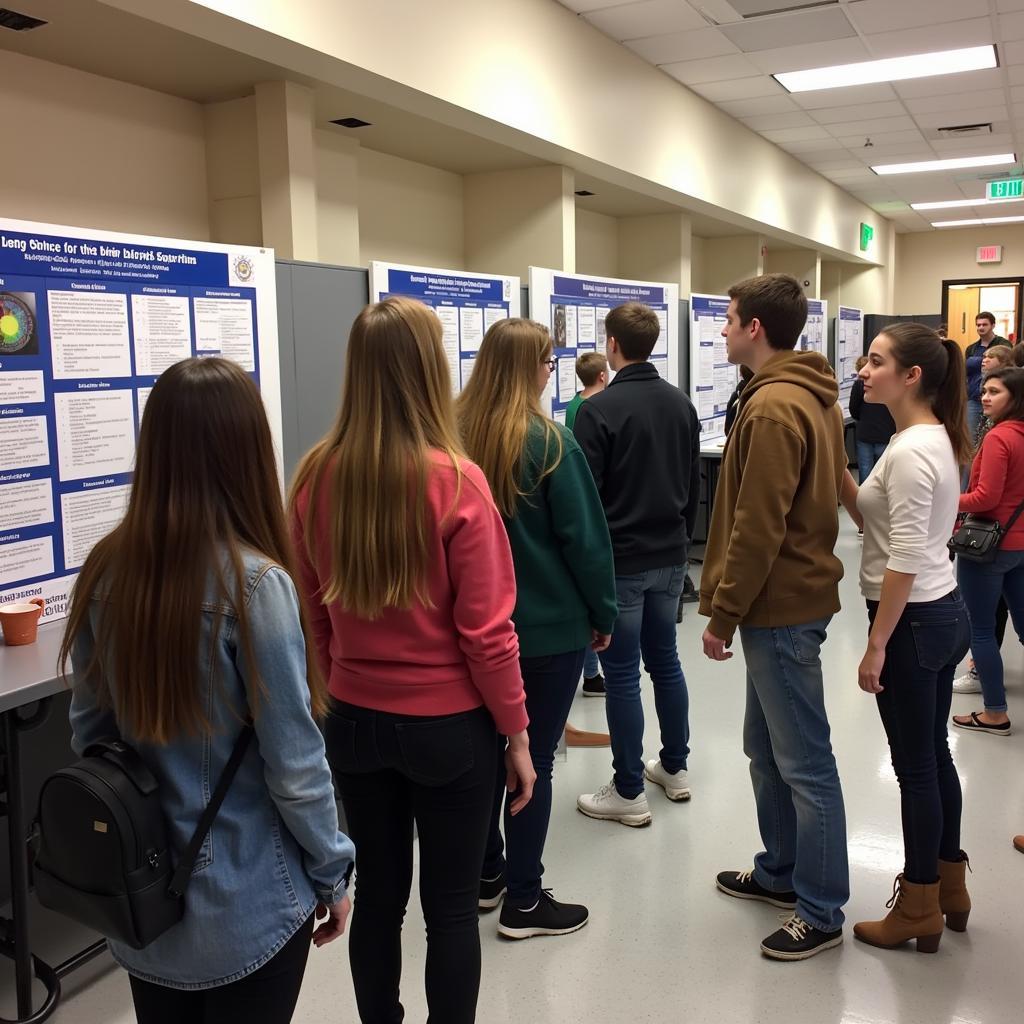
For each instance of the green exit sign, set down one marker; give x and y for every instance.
(867, 232)
(1008, 188)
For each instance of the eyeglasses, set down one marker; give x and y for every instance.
(551, 364)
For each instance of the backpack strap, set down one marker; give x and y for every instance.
(128, 761)
(1013, 518)
(183, 872)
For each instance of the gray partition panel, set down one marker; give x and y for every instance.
(684, 346)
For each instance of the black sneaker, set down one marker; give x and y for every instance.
(594, 686)
(797, 940)
(547, 917)
(491, 892)
(689, 594)
(741, 884)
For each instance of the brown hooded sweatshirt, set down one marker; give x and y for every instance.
(769, 559)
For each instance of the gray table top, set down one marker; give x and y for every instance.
(29, 673)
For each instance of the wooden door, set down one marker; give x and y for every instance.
(962, 308)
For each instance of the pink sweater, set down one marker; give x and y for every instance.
(453, 657)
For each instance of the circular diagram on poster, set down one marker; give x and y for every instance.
(17, 324)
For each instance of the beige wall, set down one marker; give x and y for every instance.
(925, 259)
(597, 244)
(233, 171)
(656, 247)
(409, 212)
(724, 261)
(337, 192)
(852, 284)
(92, 152)
(799, 263)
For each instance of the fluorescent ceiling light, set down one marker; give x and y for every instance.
(950, 204)
(953, 164)
(891, 69)
(975, 222)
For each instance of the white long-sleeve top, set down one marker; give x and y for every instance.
(909, 504)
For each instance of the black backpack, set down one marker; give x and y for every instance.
(102, 856)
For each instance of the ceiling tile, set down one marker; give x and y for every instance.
(948, 36)
(1011, 26)
(852, 94)
(758, 105)
(944, 85)
(583, 6)
(717, 69)
(796, 134)
(682, 46)
(844, 129)
(909, 137)
(806, 28)
(972, 145)
(650, 18)
(861, 111)
(800, 58)
(962, 101)
(1010, 5)
(1017, 93)
(874, 16)
(813, 146)
(1012, 53)
(768, 122)
(951, 118)
(738, 89)
(1016, 74)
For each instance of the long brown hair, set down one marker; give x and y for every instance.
(205, 486)
(943, 378)
(500, 404)
(396, 406)
(1012, 378)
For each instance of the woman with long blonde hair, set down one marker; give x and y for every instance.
(184, 623)
(407, 578)
(562, 552)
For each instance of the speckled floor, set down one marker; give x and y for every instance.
(664, 946)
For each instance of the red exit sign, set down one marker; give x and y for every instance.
(990, 254)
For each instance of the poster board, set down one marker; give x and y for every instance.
(467, 304)
(574, 306)
(712, 377)
(849, 348)
(814, 337)
(89, 321)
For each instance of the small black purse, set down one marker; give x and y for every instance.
(978, 539)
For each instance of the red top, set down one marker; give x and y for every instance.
(452, 657)
(997, 480)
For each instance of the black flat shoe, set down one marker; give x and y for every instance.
(977, 725)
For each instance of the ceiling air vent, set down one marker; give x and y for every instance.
(583, 192)
(351, 122)
(17, 22)
(958, 131)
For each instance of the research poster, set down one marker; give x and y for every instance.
(467, 305)
(849, 348)
(814, 337)
(88, 322)
(574, 306)
(712, 377)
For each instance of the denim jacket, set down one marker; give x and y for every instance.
(274, 849)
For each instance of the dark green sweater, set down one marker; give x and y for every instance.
(565, 575)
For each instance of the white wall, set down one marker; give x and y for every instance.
(856, 285)
(725, 261)
(597, 244)
(409, 212)
(233, 171)
(337, 199)
(799, 263)
(92, 152)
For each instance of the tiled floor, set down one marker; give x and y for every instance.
(664, 946)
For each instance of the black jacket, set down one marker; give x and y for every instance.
(641, 437)
(875, 424)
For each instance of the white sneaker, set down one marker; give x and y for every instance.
(676, 787)
(607, 805)
(969, 682)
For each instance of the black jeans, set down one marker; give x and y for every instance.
(267, 996)
(550, 683)
(928, 643)
(392, 771)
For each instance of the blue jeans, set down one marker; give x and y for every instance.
(550, 683)
(648, 602)
(973, 416)
(591, 664)
(868, 453)
(921, 656)
(983, 583)
(796, 784)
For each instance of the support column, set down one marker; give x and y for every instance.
(284, 117)
(729, 260)
(514, 219)
(233, 172)
(657, 247)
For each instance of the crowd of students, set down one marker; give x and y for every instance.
(430, 593)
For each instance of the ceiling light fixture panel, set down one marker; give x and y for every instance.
(976, 222)
(951, 164)
(958, 203)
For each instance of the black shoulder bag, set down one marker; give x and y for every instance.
(978, 539)
(102, 854)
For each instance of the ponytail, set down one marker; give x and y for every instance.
(943, 378)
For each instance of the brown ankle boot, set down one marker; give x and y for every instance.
(954, 900)
(915, 914)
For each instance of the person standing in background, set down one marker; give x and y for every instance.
(641, 437)
(875, 426)
(985, 324)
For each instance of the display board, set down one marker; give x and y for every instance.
(574, 306)
(88, 322)
(814, 337)
(467, 305)
(712, 377)
(849, 348)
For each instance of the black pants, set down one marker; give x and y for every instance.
(550, 684)
(267, 996)
(928, 643)
(1002, 614)
(392, 771)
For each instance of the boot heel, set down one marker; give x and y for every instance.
(928, 943)
(958, 922)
